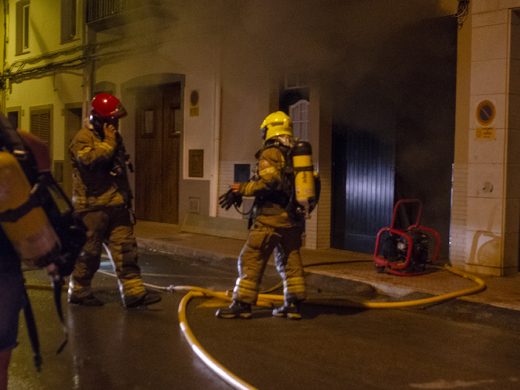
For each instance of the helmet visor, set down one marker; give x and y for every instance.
(119, 112)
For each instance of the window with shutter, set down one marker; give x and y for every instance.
(40, 124)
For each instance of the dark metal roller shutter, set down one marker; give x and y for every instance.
(363, 189)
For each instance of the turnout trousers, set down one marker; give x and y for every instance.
(263, 240)
(12, 300)
(112, 226)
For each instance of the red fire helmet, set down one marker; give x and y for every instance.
(107, 106)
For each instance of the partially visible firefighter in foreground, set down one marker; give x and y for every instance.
(37, 228)
(102, 197)
(284, 191)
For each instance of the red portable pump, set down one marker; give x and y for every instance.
(404, 251)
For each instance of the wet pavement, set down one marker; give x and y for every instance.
(450, 345)
(468, 342)
(110, 347)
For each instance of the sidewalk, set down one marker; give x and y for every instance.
(503, 292)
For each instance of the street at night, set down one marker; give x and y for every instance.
(451, 345)
(260, 194)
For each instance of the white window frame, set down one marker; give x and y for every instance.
(299, 113)
(25, 26)
(23, 31)
(66, 17)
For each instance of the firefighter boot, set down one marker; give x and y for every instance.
(290, 309)
(88, 300)
(237, 309)
(148, 298)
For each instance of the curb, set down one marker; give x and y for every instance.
(359, 285)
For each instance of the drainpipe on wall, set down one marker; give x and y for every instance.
(88, 74)
(88, 71)
(214, 176)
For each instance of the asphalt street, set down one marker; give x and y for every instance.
(336, 346)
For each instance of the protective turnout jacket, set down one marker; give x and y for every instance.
(99, 174)
(270, 188)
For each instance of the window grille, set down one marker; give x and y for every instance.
(299, 113)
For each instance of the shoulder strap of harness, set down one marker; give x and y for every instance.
(13, 215)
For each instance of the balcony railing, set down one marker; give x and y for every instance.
(102, 14)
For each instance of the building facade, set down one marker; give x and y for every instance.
(400, 99)
(485, 208)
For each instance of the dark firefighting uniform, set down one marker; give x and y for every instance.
(12, 296)
(275, 228)
(12, 292)
(102, 196)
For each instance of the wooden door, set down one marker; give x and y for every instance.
(158, 130)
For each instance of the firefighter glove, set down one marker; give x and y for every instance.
(229, 199)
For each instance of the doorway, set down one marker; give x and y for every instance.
(159, 125)
(362, 187)
(73, 122)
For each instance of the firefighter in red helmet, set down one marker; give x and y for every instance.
(106, 108)
(102, 196)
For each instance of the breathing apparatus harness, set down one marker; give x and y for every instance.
(298, 194)
(284, 196)
(58, 219)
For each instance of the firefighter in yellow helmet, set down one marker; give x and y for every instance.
(276, 226)
(102, 197)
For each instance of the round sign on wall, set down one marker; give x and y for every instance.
(485, 112)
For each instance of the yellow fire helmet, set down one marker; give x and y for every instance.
(276, 123)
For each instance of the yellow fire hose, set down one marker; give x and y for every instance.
(203, 355)
(270, 300)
